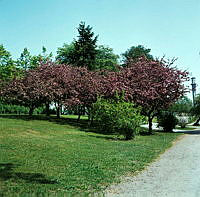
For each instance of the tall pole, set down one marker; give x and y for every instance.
(193, 90)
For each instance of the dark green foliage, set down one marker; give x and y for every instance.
(85, 47)
(105, 58)
(13, 109)
(135, 52)
(82, 52)
(167, 120)
(117, 116)
(17, 109)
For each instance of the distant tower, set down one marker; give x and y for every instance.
(193, 89)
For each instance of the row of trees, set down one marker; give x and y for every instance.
(148, 83)
(83, 71)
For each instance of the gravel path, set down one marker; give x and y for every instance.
(175, 174)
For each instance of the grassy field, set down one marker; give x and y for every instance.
(48, 156)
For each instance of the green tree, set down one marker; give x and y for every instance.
(81, 52)
(7, 65)
(27, 61)
(43, 57)
(135, 52)
(195, 111)
(24, 60)
(65, 54)
(85, 47)
(106, 59)
(182, 106)
(117, 116)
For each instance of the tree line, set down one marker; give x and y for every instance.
(82, 72)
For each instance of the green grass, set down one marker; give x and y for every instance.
(50, 156)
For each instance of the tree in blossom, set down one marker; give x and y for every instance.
(23, 92)
(56, 84)
(153, 84)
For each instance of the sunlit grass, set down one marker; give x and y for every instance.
(64, 157)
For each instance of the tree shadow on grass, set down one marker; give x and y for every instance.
(109, 138)
(7, 173)
(82, 124)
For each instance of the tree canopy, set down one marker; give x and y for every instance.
(27, 61)
(105, 58)
(136, 52)
(65, 54)
(7, 66)
(82, 52)
(151, 84)
(183, 105)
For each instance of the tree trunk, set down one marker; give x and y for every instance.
(90, 116)
(31, 109)
(58, 111)
(197, 122)
(79, 113)
(150, 119)
(79, 117)
(47, 109)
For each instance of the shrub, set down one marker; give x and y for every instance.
(167, 120)
(12, 109)
(117, 116)
(17, 109)
(182, 121)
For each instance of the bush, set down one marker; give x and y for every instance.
(12, 109)
(117, 116)
(182, 121)
(17, 109)
(167, 120)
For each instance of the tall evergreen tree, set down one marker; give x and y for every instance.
(85, 47)
(105, 58)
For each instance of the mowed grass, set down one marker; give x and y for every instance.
(63, 157)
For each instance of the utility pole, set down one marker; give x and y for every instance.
(193, 89)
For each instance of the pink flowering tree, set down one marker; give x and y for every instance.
(23, 92)
(154, 85)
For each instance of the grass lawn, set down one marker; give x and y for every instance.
(39, 156)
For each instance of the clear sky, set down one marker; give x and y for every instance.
(167, 27)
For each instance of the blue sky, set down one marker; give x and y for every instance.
(168, 27)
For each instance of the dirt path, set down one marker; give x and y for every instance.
(175, 174)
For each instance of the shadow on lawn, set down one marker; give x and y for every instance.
(6, 173)
(82, 124)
